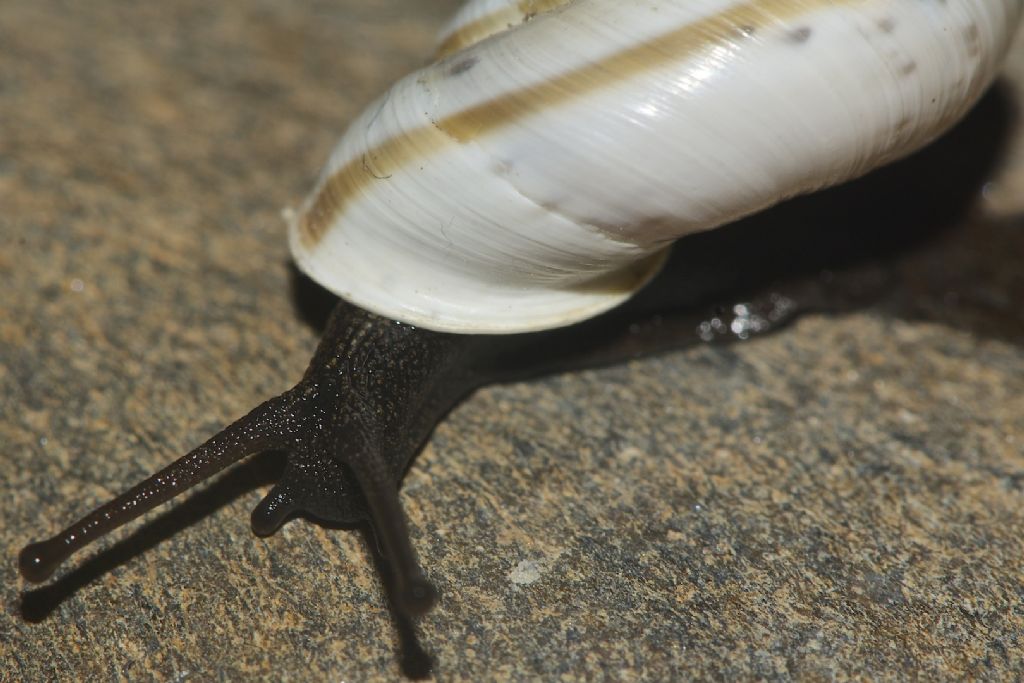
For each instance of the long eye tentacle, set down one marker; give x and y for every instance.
(414, 594)
(373, 392)
(267, 426)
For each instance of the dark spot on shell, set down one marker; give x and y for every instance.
(887, 25)
(908, 68)
(501, 167)
(971, 37)
(462, 66)
(368, 167)
(799, 35)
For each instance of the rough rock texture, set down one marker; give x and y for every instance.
(844, 498)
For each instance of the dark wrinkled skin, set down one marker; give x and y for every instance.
(375, 388)
(372, 394)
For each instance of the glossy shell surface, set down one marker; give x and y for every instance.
(535, 174)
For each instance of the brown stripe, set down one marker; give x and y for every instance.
(737, 23)
(492, 23)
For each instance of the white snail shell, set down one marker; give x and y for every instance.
(535, 174)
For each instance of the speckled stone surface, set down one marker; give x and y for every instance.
(844, 498)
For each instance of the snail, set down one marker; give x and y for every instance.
(532, 178)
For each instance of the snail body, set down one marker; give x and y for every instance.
(533, 177)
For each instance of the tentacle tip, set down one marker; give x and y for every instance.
(261, 527)
(262, 523)
(38, 561)
(417, 597)
(271, 513)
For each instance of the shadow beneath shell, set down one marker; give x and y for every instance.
(902, 240)
(312, 302)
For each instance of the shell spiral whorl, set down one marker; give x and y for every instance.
(535, 174)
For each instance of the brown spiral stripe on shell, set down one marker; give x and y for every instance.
(740, 22)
